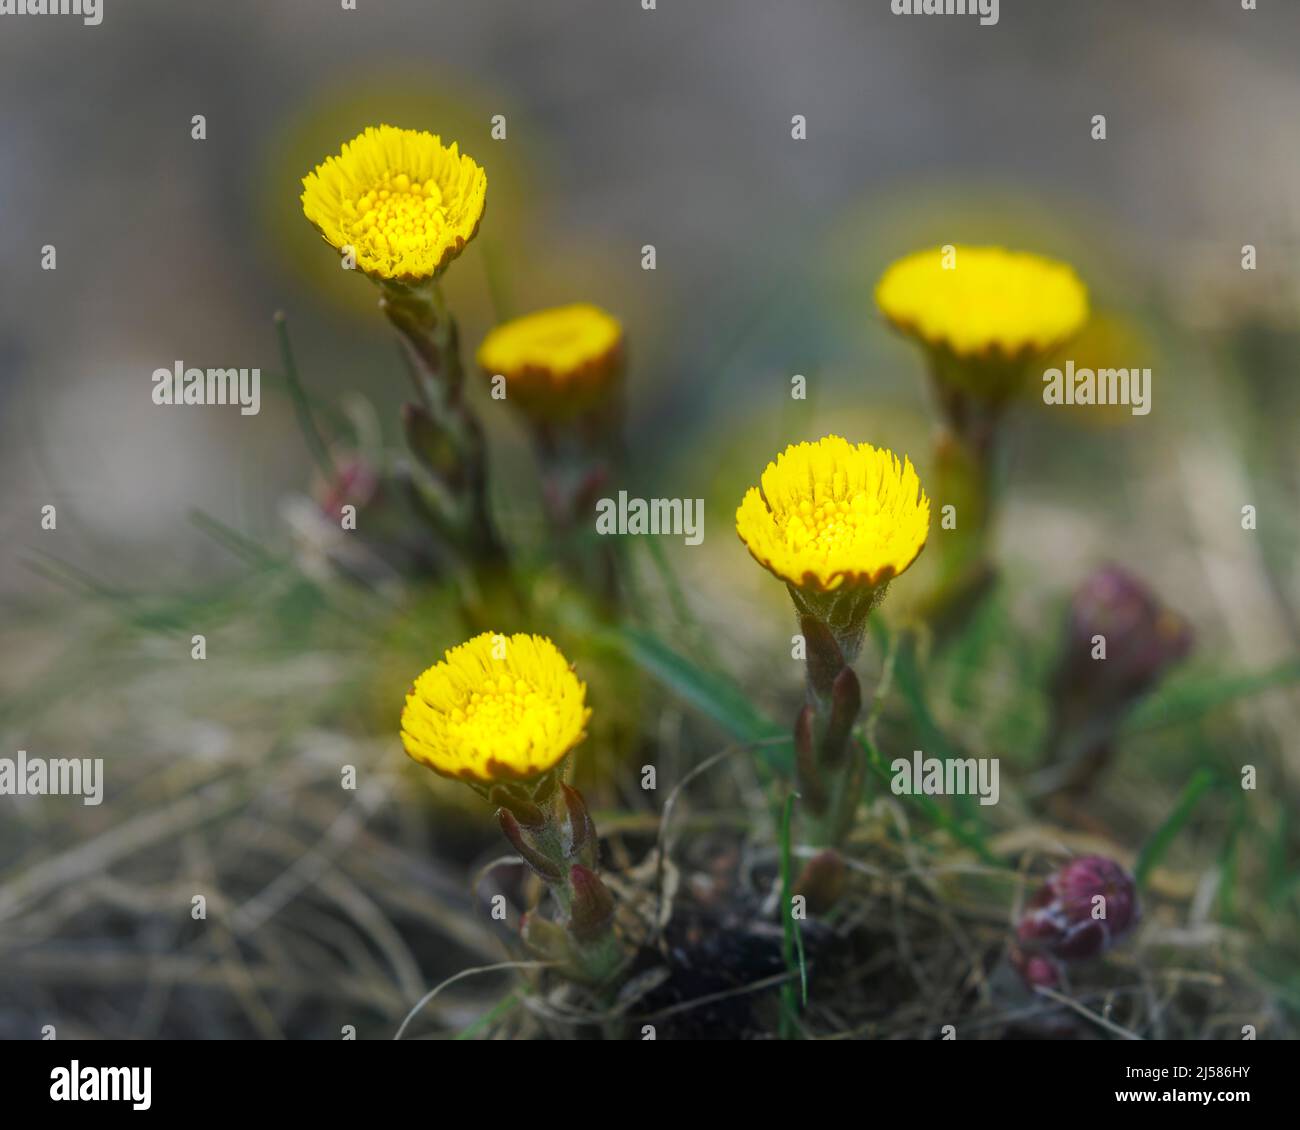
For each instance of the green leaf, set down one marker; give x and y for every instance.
(713, 695)
(1228, 860)
(910, 683)
(311, 434)
(931, 810)
(791, 937)
(685, 620)
(1279, 875)
(506, 1005)
(1153, 851)
(1186, 701)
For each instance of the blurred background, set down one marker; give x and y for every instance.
(625, 127)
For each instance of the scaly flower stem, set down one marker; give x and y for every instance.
(549, 826)
(967, 455)
(578, 461)
(830, 766)
(444, 433)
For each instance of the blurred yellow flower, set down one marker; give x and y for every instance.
(496, 708)
(402, 200)
(831, 516)
(560, 359)
(983, 301)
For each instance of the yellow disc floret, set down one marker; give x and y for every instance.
(555, 359)
(831, 515)
(496, 708)
(982, 301)
(405, 203)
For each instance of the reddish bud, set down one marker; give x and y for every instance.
(821, 654)
(510, 828)
(805, 757)
(846, 702)
(592, 907)
(578, 829)
(1143, 638)
(822, 881)
(1079, 913)
(527, 813)
(1035, 969)
(355, 481)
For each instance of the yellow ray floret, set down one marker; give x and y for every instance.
(404, 201)
(560, 344)
(562, 357)
(831, 515)
(496, 708)
(980, 301)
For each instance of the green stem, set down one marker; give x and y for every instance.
(968, 451)
(561, 846)
(448, 439)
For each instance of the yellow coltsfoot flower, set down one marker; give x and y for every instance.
(837, 522)
(399, 206)
(832, 515)
(405, 203)
(985, 317)
(555, 362)
(562, 368)
(496, 709)
(501, 713)
(983, 303)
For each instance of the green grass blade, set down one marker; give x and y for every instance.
(503, 1007)
(1279, 874)
(1187, 701)
(713, 695)
(316, 444)
(791, 937)
(682, 614)
(910, 685)
(1154, 850)
(1228, 860)
(933, 812)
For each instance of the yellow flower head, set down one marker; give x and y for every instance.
(981, 302)
(830, 516)
(405, 202)
(555, 361)
(496, 708)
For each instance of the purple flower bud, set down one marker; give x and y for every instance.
(355, 482)
(1142, 638)
(1036, 969)
(1119, 643)
(1079, 913)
